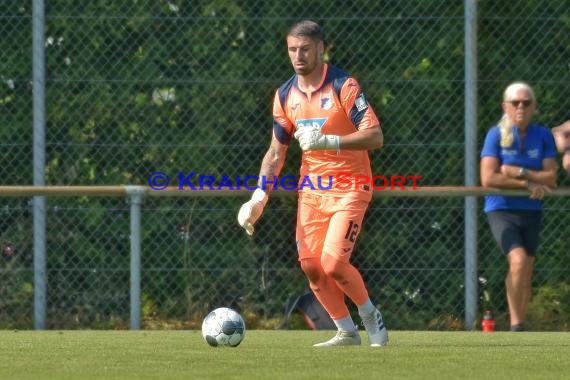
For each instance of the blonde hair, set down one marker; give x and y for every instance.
(506, 124)
(506, 131)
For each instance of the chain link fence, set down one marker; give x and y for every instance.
(136, 87)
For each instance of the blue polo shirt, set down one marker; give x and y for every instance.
(538, 145)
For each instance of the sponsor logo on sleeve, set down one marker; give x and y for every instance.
(361, 103)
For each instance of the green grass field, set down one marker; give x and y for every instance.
(287, 355)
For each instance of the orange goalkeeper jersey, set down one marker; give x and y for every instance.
(338, 107)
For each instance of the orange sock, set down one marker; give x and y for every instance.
(347, 278)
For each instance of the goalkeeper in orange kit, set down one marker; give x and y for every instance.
(325, 109)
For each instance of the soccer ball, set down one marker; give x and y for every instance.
(223, 327)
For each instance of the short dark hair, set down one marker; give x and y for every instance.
(307, 28)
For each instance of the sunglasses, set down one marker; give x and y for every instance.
(515, 103)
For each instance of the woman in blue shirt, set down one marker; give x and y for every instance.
(518, 154)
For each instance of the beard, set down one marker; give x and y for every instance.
(306, 69)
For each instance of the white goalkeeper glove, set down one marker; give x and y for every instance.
(311, 138)
(251, 210)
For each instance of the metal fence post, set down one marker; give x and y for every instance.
(39, 204)
(135, 194)
(470, 162)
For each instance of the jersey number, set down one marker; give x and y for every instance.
(351, 231)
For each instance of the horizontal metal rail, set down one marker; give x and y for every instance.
(118, 190)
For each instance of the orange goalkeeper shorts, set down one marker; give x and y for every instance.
(328, 224)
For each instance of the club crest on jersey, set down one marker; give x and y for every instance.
(533, 153)
(307, 123)
(326, 103)
(361, 103)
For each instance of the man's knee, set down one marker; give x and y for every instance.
(332, 266)
(312, 269)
